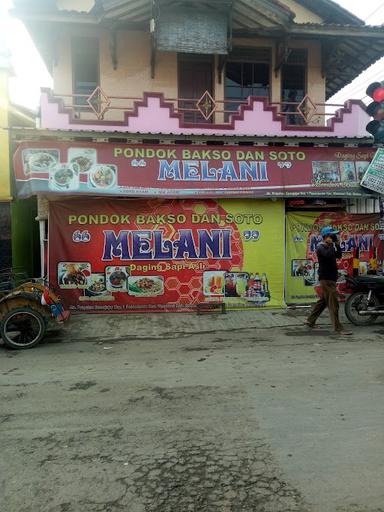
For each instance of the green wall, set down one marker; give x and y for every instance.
(25, 236)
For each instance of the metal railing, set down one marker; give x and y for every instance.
(206, 109)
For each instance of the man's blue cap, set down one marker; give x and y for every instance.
(328, 230)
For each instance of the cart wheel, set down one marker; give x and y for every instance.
(22, 328)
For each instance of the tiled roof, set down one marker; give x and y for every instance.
(348, 46)
(331, 11)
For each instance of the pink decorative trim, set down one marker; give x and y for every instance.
(154, 114)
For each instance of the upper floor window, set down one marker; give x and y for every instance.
(294, 84)
(85, 67)
(247, 74)
(195, 75)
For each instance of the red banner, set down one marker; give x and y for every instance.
(141, 255)
(188, 171)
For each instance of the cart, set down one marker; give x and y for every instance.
(28, 307)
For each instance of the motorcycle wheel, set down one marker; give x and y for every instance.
(22, 328)
(359, 302)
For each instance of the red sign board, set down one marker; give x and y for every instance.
(188, 171)
(166, 255)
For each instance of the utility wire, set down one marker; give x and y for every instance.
(374, 12)
(364, 84)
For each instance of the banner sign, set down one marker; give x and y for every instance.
(148, 255)
(188, 171)
(360, 243)
(373, 179)
(5, 177)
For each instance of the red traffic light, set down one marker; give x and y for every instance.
(378, 94)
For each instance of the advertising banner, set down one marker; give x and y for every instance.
(360, 243)
(373, 178)
(5, 179)
(188, 171)
(155, 255)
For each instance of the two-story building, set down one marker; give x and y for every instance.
(5, 179)
(186, 153)
(18, 229)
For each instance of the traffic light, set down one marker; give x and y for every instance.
(376, 110)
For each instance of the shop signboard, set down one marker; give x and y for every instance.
(174, 171)
(360, 242)
(166, 255)
(381, 203)
(373, 178)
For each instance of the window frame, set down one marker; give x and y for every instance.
(305, 50)
(244, 56)
(195, 57)
(96, 41)
(243, 86)
(191, 58)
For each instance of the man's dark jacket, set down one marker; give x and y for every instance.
(327, 256)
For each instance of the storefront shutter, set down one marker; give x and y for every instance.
(364, 205)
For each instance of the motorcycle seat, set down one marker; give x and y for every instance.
(373, 280)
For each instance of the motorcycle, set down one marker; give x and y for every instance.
(366, 302)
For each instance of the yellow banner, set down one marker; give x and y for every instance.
(301, 270)
(261, 228)
(357, 232)
(5, 185)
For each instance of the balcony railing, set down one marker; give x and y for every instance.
(204, 110)
(153, 113)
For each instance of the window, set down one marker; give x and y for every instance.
(195, 77)
(247, 74)
(293, 83)
(85, 67)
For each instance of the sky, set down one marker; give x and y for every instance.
(30, 72)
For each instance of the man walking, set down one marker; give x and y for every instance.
(328, 251)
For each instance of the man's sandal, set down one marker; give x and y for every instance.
(311, 326)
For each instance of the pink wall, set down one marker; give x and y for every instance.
(155, 115)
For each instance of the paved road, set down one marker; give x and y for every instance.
(258, 420)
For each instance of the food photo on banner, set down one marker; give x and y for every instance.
(359, 239)
(140, 255)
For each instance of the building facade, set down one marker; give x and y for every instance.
(5, 179)
(18, 240)
(186, 153)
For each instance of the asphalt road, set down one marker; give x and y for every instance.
(262, 420)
